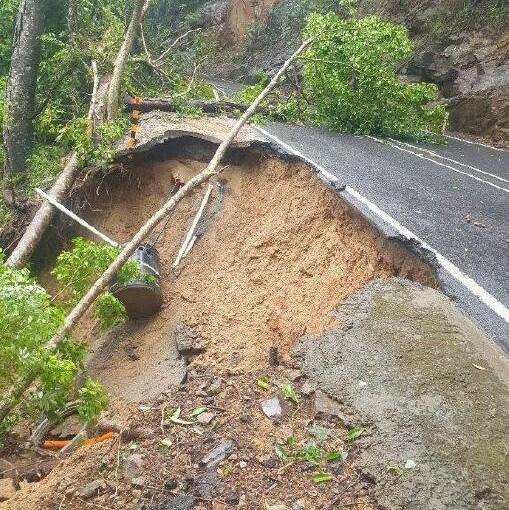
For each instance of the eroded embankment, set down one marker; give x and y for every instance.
(282, 251)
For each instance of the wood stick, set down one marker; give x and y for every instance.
(183, 249)
(76, 218)
(16, 392)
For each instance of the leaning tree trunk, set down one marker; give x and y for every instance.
(20, 92)
(113, 106)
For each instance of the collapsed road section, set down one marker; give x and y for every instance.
(300, 359)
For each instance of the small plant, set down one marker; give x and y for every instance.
(289, 393)
(311, 452)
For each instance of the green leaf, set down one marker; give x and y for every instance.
(196, 412)
(321, 477)
(289, 393)
(336, 456)
(395, 470)
(354, 433)
(280, 453)
(175, 418)
(263, 382)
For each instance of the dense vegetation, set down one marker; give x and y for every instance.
(350, 78)
(29, 319)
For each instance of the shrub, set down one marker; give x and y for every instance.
(29, 320)
(350, 79)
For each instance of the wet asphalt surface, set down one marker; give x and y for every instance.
(461, 212)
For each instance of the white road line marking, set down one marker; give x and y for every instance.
(435, 154)
(379, 140)
(476, 143)
(465, 280)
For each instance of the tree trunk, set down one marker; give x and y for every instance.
(169, 105)
(20, 92)
(113, 106)
(72, 20)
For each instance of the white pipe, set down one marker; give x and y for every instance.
(83, 223)
(184, 248)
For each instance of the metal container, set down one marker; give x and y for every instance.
(142, 298)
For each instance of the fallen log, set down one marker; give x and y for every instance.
(169, 105)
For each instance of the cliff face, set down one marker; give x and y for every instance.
(461, 45)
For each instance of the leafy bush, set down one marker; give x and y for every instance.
(350, 79)
(29, 320)
(77, 269)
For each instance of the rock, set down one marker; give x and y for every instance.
(308, 388)
(187, 341)
(293, 374)
(179, 502)
(268, 461)
(215, 386)
(205, 418)
(68, 428)
(132, 469)
(232, 498)
(171, 484)
(92, 489)
(326, 406)
(272, 408)
(218, 454)
(213, 12)
(242, 501)
(205, 484)
(7, 488)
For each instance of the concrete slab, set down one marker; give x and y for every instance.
(431, 389)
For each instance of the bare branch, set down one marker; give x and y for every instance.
(174, 43)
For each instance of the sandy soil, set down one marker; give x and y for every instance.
(280, 254)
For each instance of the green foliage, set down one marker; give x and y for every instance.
(350, 78)
(29, 320)
(77, 269)
(8, 9)
(93, 399)
(310, 452)
(289, 393)
(354, 433)
(109, 311)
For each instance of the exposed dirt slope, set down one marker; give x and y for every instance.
(282, 251)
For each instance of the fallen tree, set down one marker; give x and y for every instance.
(10, 401)
(170, 105)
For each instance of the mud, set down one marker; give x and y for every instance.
(405, 362)
(282, 251)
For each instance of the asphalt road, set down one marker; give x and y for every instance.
(454, 199)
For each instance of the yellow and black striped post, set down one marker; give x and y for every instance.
(135, 121)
